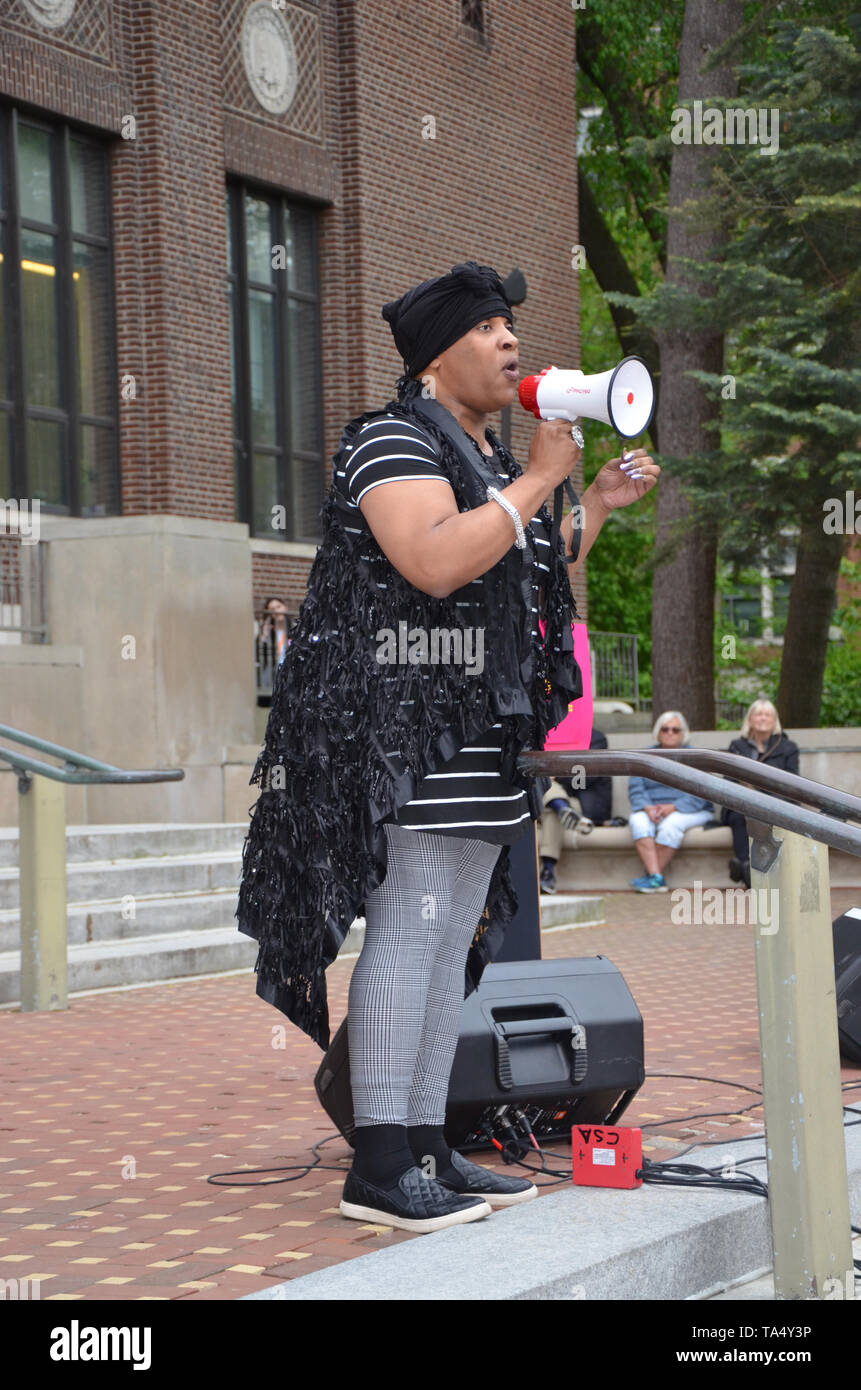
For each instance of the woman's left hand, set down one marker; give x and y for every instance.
(623, 481)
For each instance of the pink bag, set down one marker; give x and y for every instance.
(575, 731)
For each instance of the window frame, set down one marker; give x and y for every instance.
(68, 413)
(290, 458)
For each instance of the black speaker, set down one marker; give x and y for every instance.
(847, 970)
(559, 1040)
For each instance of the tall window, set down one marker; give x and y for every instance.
(58, 382)
(273, 284)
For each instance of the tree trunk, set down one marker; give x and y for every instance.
(683, 592)
(811, 604)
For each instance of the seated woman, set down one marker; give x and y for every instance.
(763, 739)
(660, 815)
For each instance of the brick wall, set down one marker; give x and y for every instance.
(497, 183)
(277, 576)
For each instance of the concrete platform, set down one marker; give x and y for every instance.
(580, 1243)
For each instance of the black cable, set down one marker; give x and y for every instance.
(713, 1114)
(671, 1173)
(749, 1138)
(701, 1115)
(715, 1080)
(674, 1174)
(304, 1169)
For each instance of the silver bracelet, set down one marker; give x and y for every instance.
(496, 495)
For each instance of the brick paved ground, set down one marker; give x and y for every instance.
(115, 1111)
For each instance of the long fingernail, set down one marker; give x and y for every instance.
(636, 475)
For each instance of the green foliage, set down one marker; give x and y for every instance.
(751, 669)
(618, 571)
(841, 694)
(628, 67)
(785, 294)
(841, 691)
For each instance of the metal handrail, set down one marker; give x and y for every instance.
(750, 803)
(795, 984)
(760, 774)
(97, 771)
(42, 856)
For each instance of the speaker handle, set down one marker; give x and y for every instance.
(523, 1027)
(527, 1027)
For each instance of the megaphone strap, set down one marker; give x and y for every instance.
(557, 519)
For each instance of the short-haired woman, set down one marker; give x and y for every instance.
(661, 815)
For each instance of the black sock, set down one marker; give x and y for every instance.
(427, 1141)
(548, 863)
(382, 1153)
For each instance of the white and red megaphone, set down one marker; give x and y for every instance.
(624, 397)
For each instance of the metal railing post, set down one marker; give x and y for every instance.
(796, 990)
(42, 851)
(42, 855)
(802, 1100)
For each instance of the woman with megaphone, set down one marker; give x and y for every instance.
(388, 775)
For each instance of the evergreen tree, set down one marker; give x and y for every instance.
(785, 294)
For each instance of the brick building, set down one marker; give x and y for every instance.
(203, 207)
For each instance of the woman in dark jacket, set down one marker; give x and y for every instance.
(763, 739)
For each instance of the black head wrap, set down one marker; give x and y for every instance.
(430, 317)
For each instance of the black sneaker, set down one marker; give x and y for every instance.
(548, 879)
(495, 1188)
(413, 1203)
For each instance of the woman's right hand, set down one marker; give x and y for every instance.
(553, 454)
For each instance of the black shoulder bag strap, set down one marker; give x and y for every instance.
(557, 520)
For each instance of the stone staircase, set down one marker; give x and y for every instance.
(148, 903)
(144, 903)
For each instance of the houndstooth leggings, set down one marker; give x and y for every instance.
(407, 987)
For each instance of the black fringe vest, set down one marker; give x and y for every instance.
(316, 846)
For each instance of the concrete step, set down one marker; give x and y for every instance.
(100, 842)
(100, 879)
(157, 902)
(561, 910)
(106, 949)
(117, 919)
(101, 964)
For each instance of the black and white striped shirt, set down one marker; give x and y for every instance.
(467, 796)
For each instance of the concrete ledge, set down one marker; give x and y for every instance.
(578, 1243)
(38, 654)
(150, 523)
